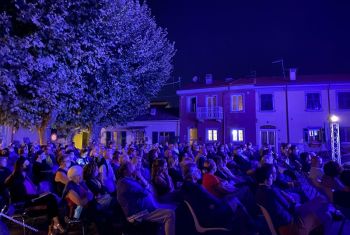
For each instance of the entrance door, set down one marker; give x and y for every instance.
(268, 137)
(193, 135)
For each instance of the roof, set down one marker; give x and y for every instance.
(275, 81)
(160, 114)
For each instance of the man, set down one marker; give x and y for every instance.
(135, 198)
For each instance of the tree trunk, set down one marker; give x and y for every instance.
(42, 129)
(94, 133)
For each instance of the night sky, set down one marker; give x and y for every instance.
(232, 38)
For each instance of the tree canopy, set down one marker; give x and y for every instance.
(82, 63)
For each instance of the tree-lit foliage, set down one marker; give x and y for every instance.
(80, 64)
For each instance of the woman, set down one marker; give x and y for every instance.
(160, 178)
(61, 178)
(175, 171)
(22, 189)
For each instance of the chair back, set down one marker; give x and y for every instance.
(199, 228)
(268, 220)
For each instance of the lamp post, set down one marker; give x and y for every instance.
(335, 140)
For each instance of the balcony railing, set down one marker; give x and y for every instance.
(206, 113)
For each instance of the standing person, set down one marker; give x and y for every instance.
(61, 178)
(137, 203)
(4, 173)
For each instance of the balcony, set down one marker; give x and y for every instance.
(210, 113)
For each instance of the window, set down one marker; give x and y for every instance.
(313, 101)
(166, 137)
(266, 102)
(237, 103)
(344, 134)
(212, 135)
(344, 100)
(192, 106)
(211, 101)
(314, 136)
(237, 135)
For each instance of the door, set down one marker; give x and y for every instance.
(211, 105)
(268, 137)
(193, 135)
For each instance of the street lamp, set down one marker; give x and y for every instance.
(335, 139)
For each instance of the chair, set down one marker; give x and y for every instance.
(198, 226)
(69, 218)
(268, 220)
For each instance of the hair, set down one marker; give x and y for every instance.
(332, 169)
(263, 173)
(218, 160)
(209, 165)
(89, 169)
(74, 170)
(123, 167)
(172, 159)
(157, 165)
(188, 169)
(345, 177)
(61, 158)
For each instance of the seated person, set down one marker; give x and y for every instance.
(213, 184)
(61, 178)
(175, 171)
(210, 211)
(137, 203)
(161, 180)
(22, 189)
(316, 171)
(90, 174)
(286, 216)
(107, 175)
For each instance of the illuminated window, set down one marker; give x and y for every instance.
(237, 103)
(212, 135)
(237, 135)
(313, 135)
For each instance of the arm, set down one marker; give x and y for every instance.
(62, 178)
(74, 197)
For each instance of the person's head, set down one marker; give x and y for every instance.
(90, 170)
(159, 166)
(345, 178)
(40, 156)
(210, 166)
(108, 154)
(124, 158)
(316, 161)
(191, 172)
(75, 174)
(222, 148)
(64, 161)
(294, 150)
(173, 161)
(332, 169)
(137, 162)
(265, 174)
(3, 161)
(267, 159)
(126, 169)
(285, 149)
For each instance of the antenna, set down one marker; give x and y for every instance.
(282, 65)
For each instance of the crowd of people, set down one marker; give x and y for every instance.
(224, 184)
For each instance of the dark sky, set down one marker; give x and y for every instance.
(230, 38)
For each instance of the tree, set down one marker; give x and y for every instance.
(35, 78)
(83, 63)
(130, 59)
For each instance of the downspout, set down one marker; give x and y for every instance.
(287, 113)
(223, 116)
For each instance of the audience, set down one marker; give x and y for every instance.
(223, 183)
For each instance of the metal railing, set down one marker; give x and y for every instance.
(206, 113)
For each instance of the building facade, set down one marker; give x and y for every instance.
(267, 110)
